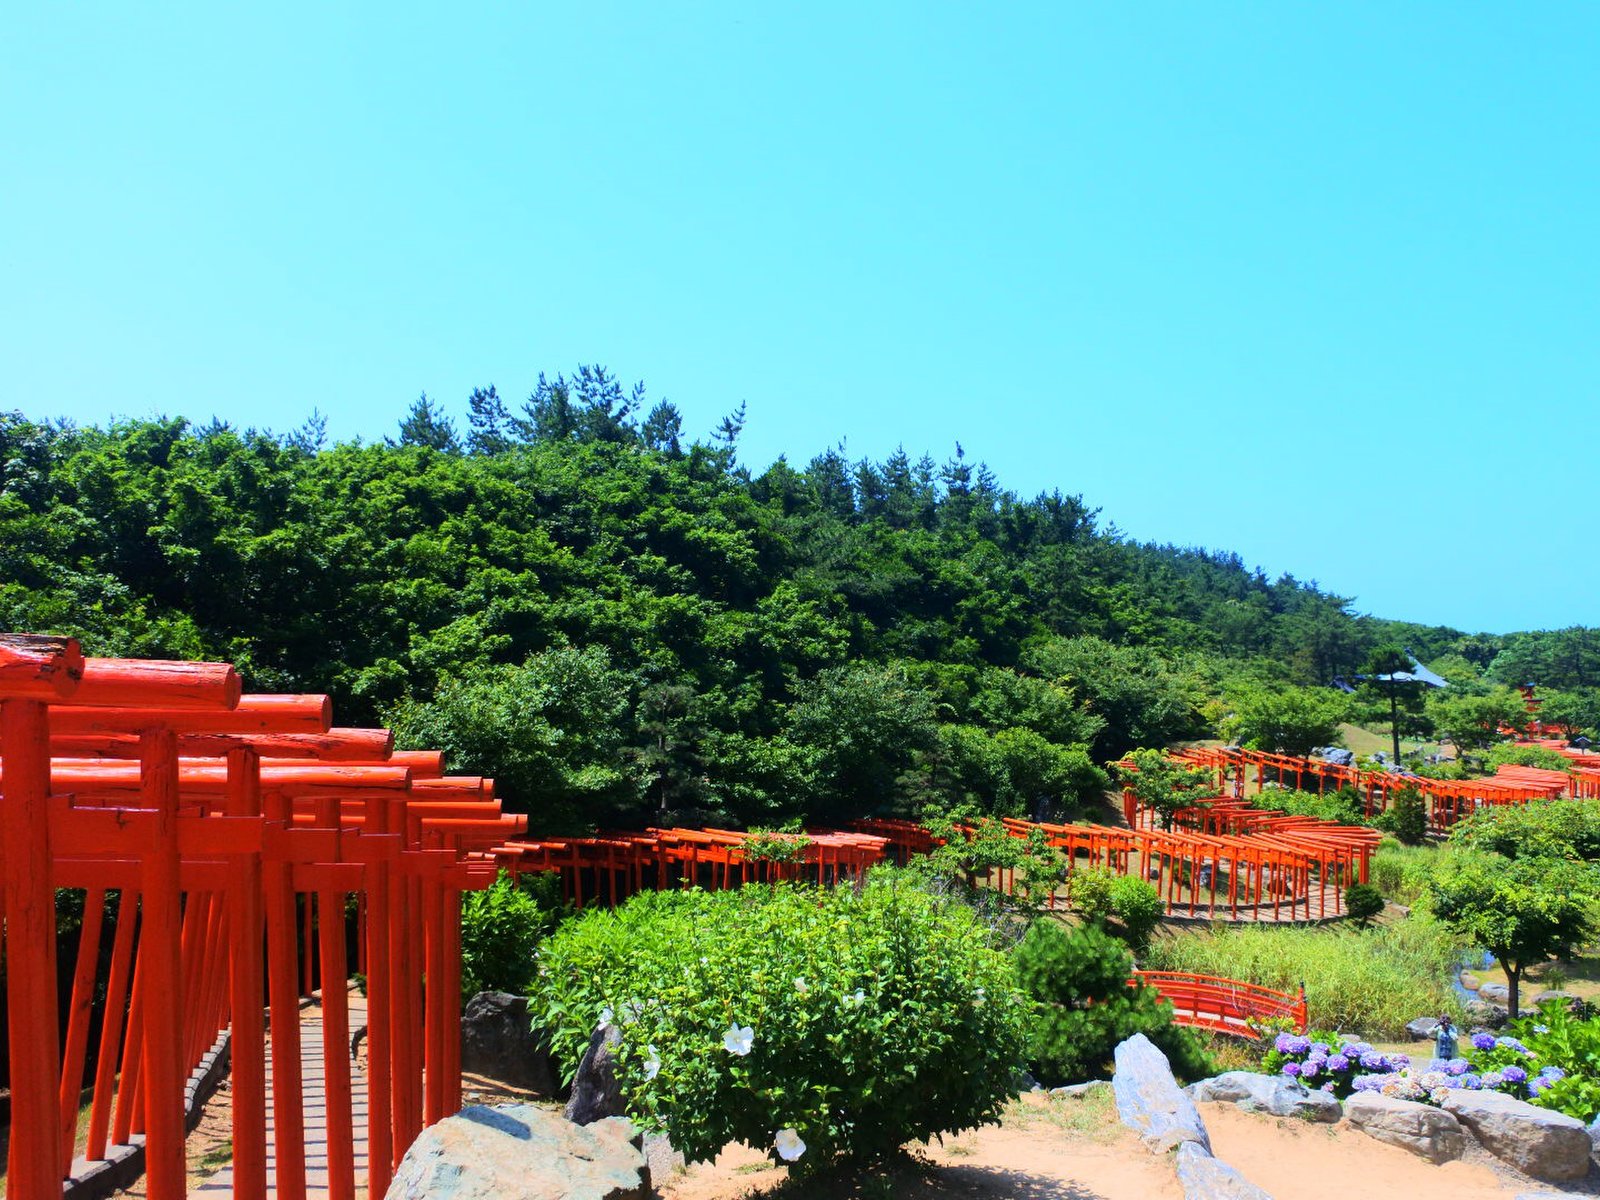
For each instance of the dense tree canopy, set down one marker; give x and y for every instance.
(621, 622)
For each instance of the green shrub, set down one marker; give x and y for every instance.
(1525, 756)
(858, 1020)
(501, 927)
(1081, 978)
(1406, 817)
(1363, 902)
(1137, 905)
(1366, 981)
(1091, 893)
(1342, 804)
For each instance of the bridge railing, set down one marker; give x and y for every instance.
(1223, 1005)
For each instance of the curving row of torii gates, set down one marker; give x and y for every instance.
(247, 843)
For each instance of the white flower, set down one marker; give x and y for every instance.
(788, 1144)
(980, 997)
(856, 997)
(652, 1064)
(704, 960)
(606, 1016)
(801, 986)
(737, 1039)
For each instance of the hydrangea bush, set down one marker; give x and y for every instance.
(814, 1023)
(1552, 1060)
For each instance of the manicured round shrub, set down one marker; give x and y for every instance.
(816, 1023)
(1080, 977)
(1137, 905)
(1363, 902)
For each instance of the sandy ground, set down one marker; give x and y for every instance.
(1072, 1150)
(1297, 1160)
(1044, 1150)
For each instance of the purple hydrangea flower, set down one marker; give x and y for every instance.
(1552, 1073)
(1368, 1083)
(1471, 1081)
(1310, 1068)
(1514, 1075)
(1321, 1049)
(1283, 1043)
(1493, 1080)
(1291, 1069)
(1483, 1041)
(1537, 1084)
(1338, 1063)
(1457, 1066)
(1373, 1061)
(1511, 1043)
(1298, 1045)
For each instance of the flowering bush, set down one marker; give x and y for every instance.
(810, 1022)
(1329, 1062)
(1530, 1070)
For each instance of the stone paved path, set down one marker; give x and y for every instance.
(221, 1184)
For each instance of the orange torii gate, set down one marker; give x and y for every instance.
(1447, 800)
(616, 865)
(214, 816)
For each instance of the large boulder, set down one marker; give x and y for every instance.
(1422, 1129)
(1206, 1178)
(497, 1040)
(1537, 1141)
(1594, 1141)
(596, 1090)
(1275, 1094)
(1494, 993)
(1149, 1100)
(1421, 1030)
(519, 1152)
(1483, 1015)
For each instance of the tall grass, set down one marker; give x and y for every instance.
(1401, 873)
(1364, 981)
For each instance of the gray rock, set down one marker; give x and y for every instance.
(1537, 1141)
(1429, 1132)
(665, 1162)
(519, 1152)
(1336, 754)
(1494, 993)
(1486, 1016)
(1206, 1178)
(1553, 1196)
(1275, 1094)
(1421, 1030)
(596, 1090)
(497, 1040)
(1594, 1141)
(1149, 1100)
(1470, 981)
(1079, 1089)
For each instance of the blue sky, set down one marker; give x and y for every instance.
(1312, 283)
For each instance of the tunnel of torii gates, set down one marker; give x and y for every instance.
(235, 833)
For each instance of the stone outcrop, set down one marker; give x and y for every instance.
(1539, 1142)
(1149, 1100)
(1275, 1094)
(1206, 1178)
(1431, 1133)
(596, 1091)
(519, 1152)
(497, 1040)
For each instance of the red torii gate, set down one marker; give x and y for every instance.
(211, 814)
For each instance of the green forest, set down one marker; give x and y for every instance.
(624, 624)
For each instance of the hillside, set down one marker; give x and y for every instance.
(618, 622)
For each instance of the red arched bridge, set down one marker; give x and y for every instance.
(1223, 1005)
